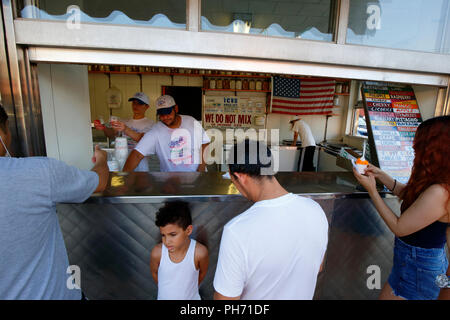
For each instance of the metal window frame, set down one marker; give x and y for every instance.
(22, 98)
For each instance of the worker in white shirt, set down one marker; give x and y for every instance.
(300, 127)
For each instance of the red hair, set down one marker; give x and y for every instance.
(432, 159)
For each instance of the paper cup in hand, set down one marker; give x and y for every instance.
(360, 165)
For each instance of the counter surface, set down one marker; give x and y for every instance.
(142, 187)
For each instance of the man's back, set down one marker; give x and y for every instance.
(34, 261)
(273, 250)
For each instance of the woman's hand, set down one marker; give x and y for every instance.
(371, 170)
(368, 182)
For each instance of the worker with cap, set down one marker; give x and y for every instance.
(133, 129)
(302, 129)
(178, 140)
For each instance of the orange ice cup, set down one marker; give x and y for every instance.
(362, 162)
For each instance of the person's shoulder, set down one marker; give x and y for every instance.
(188, 119)
(242, 218)
(201, 251)
(156, 251)
(437, 191)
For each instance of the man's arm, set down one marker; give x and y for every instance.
(122, 127)
(101, 168)
(294, 141)
(218, 296)
(202, 165)
(109, 132)
(132, 161)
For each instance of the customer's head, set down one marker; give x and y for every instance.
(166, 109)
(5, 134)
(139, 104)
(250, 164)
(432, 158)
(175, 223)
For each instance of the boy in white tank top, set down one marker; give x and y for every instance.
(178, 264)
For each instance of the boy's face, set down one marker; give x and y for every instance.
(174, 237)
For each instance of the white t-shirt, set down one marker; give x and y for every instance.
(273, 250)
(305, 133)
(177, 149)
(139, 125)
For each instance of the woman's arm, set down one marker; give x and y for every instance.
(429, 207)
(395, 186)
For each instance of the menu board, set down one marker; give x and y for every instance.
(392, 117)
(233, 112)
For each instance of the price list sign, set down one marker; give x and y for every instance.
(392, 116)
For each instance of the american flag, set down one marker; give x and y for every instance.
(302, 96)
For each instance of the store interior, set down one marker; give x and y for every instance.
(73, 96)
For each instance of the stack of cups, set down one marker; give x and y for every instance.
(121, 151)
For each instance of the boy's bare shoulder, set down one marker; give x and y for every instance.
(156, 251)
(200, 250)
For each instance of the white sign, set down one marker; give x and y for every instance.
(233, 112)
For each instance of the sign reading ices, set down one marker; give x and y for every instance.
(233, 112)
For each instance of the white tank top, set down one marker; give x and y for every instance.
(178, 281)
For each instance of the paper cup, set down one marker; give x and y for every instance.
(361, 168)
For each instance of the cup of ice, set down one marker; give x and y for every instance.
(360, 165)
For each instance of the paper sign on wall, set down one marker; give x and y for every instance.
(233, 112)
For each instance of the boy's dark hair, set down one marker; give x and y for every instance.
(3, 118)
(246, 158)
(175, 212)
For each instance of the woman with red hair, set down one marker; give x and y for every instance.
(420, 231)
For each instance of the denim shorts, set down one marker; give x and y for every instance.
(415, 270)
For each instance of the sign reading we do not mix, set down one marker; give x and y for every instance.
(231, 112)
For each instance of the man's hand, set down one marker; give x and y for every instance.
(100, 155)
(98, 125)
(101, 168)
(118, 126)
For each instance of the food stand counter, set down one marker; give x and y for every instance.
(111, 235)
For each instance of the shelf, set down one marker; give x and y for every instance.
(235, 76)
(237, 90)
(151, 73)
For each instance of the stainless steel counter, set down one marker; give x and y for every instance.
(141, 187)
(110, 237)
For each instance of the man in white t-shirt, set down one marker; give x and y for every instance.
(177, 140)
(300, 127)
(133, 129)
(275, 249)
